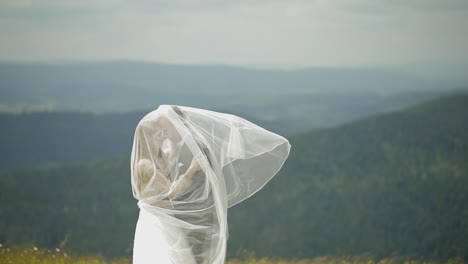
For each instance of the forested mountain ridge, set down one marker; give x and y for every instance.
(47, 139)
(391, 184)
(88, 208)
(33, 140)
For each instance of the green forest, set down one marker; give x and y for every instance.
(387, 185)
(31, 140)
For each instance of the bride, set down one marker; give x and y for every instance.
(188, 165)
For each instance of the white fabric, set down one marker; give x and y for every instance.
(188, 165)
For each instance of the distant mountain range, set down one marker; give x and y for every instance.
(286, 102)
(122, 86)
(392, 184)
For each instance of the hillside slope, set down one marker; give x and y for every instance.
(395, 183)
(47, 139)
(390, 184)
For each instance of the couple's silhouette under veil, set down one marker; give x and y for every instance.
(188, 166)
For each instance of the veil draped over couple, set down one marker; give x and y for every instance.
(188, 166)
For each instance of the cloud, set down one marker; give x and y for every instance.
(244, 32)
(59, 4)
(381, 7)
(429, 5)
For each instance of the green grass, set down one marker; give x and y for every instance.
(341, 260)
(34, 255)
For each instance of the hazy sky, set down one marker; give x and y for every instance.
(265, 33)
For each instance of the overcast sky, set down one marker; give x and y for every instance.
(252, 33)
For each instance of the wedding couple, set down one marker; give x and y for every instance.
(188, 166)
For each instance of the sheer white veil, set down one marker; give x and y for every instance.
(188, 165)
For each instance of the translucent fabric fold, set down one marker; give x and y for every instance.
(188, 166)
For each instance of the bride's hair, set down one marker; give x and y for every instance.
(178, 111)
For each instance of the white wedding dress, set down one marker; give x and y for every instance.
(188, 165)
